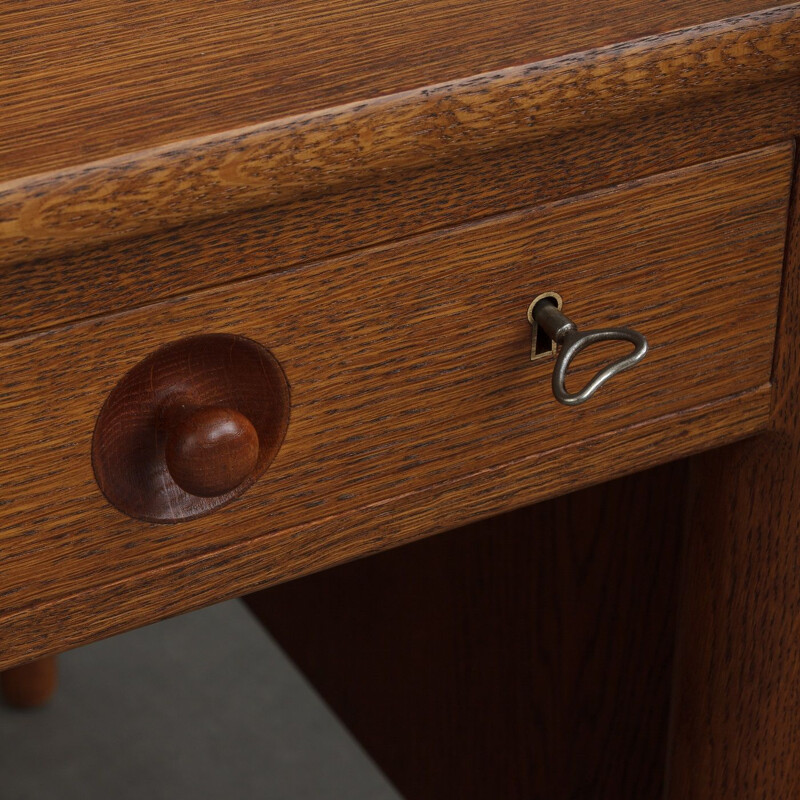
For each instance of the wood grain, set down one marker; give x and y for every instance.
(223, 573)
(411, 370)
(526, 657)
(211, 450)
(145, 450)
(81, 80)
(737, 698)
(136, 272)
(318, 152)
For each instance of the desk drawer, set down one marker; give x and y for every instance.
(414, 403)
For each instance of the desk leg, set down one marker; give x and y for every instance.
(736, 731)
(30, 685)
(528, 656)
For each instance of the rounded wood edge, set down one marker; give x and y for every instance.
(248, 168)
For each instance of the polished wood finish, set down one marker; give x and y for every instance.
(411, 370)
(45, 293)
(30, 685)
(211, 450)
(221, 573)
(162, 188)
(97, 79)
(190, 427)
(737, 695)
(526, 657)
(376, 191)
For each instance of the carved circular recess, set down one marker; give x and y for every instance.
(190, 428)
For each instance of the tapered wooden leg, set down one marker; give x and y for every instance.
(528, 656)
(30, 685)
(737, 700)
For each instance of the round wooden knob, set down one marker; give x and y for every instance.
(190, 427)
(210, 450)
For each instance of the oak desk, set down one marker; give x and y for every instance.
(268, 278)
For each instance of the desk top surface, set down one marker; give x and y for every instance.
(81, 81)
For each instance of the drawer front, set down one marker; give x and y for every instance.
(409, 372)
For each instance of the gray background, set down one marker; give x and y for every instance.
(201, 706)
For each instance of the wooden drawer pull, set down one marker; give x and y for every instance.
(210, 450)
(546, 316)
(190, 427)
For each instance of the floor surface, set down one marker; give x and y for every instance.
(201, 707)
